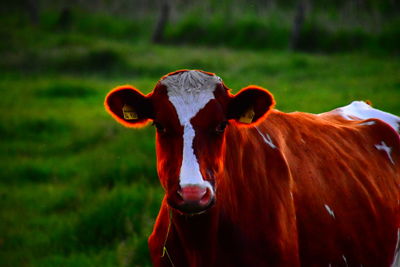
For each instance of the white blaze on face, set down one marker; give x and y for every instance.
(189, 92)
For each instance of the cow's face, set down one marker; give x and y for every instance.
(191, 111)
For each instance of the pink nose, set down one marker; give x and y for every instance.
(193, 193)
(195, 198)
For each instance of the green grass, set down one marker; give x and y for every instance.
(76, 189)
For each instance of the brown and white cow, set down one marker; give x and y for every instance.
(247, 185)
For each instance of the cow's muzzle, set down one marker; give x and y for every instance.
(193, 199)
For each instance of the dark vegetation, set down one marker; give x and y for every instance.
(76, 189)
(305, 25)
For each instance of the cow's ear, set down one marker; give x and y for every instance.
(250, 105)
(128, 106)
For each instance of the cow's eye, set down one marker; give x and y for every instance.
(221, 127)
(159, 127)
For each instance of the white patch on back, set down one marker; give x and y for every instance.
(396, 258)
(189, 92)
(267, 139)
(330, 211)
(361, 110)
(382, 146)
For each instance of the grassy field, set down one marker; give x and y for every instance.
(76, 189)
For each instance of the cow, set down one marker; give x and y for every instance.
(248, 185)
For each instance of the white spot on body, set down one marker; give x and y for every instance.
(396, 257)
(189, 92)
(382, 146)
(361, 110)
(369, 123)
(267, 139)
(330, 211)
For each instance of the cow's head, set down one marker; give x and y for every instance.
(191, 111)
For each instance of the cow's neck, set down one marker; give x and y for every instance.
(256, 190)
(198, 236)
(255, 174)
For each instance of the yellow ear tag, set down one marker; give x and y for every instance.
(248, 116)
(129, 113)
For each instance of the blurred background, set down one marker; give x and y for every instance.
(76, 188)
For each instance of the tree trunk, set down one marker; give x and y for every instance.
(158, 35)
(298, 24)
(33, 11)
(65, 19)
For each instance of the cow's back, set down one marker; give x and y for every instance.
(346, 180)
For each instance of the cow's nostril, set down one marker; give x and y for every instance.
(205, 200)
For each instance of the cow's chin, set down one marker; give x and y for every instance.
(193, 212)
(191, 209)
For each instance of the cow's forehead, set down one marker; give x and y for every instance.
(190, 82)
(189, 91)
